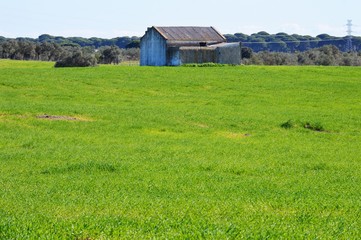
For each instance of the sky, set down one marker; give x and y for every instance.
(116, 18)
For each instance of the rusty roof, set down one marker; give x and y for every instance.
(201, 34)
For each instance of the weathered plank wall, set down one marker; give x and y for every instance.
(197, 55)
(153, 49)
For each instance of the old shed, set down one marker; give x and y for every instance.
(174, 46)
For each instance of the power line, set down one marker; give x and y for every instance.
(301, 41)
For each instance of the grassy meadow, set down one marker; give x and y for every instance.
(128, 152)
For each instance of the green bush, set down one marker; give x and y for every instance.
(77, 59)
(314, 126)
(287, 125)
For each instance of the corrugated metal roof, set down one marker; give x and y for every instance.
(214, 46)
(201, 34)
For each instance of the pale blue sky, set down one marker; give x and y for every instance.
(114, 18)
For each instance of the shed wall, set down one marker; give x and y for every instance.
(229, 54)
(153, 49)
(173, 56)
(197, 55)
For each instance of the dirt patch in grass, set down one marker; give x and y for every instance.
(64, 118)
(46, 116)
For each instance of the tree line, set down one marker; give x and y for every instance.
(65, 54)
(258, 49)
(121, 42)
(283, 42)
(261, 41)
(328, 55)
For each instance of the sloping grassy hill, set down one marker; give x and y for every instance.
(142, 152)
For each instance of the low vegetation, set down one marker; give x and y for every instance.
(78, 58)
(208, 64)
(65, 55)
(328, 55)
(120, 152)
(315, 126)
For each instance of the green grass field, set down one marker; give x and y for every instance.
(127, 152)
